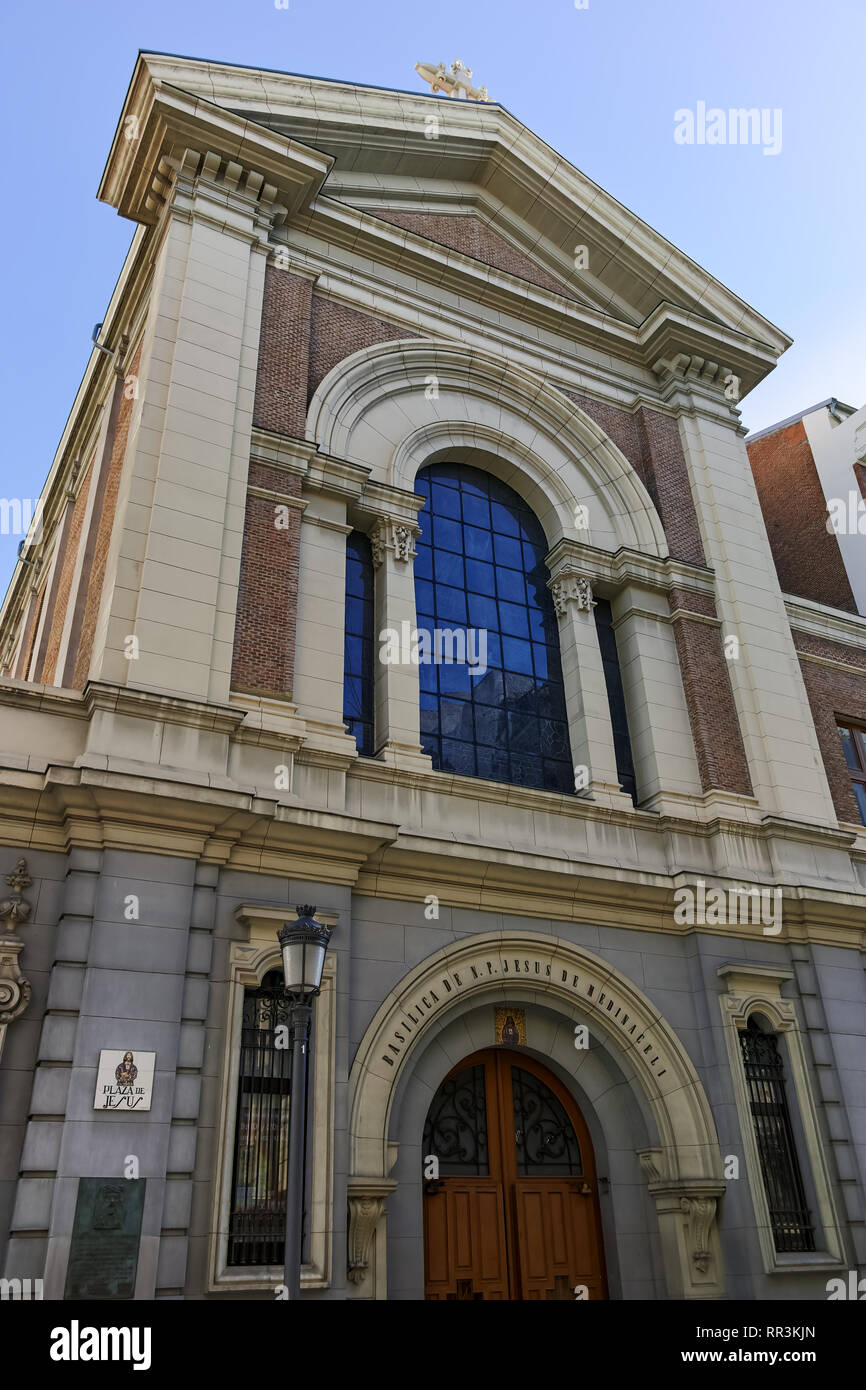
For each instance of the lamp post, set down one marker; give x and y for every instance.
(303, 944)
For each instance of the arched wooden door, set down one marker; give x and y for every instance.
(514, 1212)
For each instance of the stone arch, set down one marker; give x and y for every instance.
(682, 1162)
(375, 409)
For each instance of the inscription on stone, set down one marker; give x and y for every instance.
(103, 1256)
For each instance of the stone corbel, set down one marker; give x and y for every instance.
(367, 1199)
(396, 536)
(569, 587)
(14, 911)
(687, 1210)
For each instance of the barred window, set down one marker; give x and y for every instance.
(790, 1217)
(257, 1222)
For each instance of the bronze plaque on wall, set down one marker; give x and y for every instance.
(103, 1256)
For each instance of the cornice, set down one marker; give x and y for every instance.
(848, 629)
(667, 333)
(159, 122)
(612, 572)
(484, 144)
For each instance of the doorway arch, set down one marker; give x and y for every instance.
(679, 1158)
(511, 1211)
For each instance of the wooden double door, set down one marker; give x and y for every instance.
(514, 1212)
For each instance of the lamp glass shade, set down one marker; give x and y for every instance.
(303, 944)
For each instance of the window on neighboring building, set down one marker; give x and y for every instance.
(854, 748)
(358, 656)
(790, 1217)
(257, 1221)
(480, 568)
(615, 697)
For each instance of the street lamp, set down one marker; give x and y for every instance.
(303, 944)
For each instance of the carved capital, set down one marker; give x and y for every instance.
(396, 536)
(367, 1199)
(570, 588)
(14, 988)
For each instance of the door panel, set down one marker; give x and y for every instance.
(464, 1240)
(529, 1228)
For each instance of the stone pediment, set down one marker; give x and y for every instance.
(405, 154)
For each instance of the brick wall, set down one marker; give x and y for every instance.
(284, 345)
(834, 694)
(713, 716)
(807, 556)
(58, 617)
(336, 331)
(651, 443)
(471, 236)
(104, 524)
(263, 660)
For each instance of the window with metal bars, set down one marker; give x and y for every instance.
(257, 1223)
(790, 1218)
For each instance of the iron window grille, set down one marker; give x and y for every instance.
(257, 1221)
(790, 1218)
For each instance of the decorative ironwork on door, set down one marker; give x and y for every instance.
(543, 1134)
(456, 1128)
(513, 1213)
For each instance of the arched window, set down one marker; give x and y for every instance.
(257, 1221)
(358, 653)
(480, 570)
(790, 1217)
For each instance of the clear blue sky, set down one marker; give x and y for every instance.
(600, 85)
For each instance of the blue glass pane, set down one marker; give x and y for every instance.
(447, 535)
(508, 723)
(476, 511)
(505, 519)
(482, 611)
(510, 586)
(358, 649)
(424, 563)
(480, 577)
(516, 655)
(507, 552)
(479, 544)
(449, 568)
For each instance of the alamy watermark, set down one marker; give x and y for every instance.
(847, 515)
(736, 126)
(719, 907)
(443, 645)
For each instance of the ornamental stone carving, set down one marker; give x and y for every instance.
(572, 588)
(366, 1205)
(700, 1213)
(14, 988)
(396, 536)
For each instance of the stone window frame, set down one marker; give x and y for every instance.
(758, 989)
(249, 963)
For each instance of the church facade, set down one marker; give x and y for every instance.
(402, 556)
